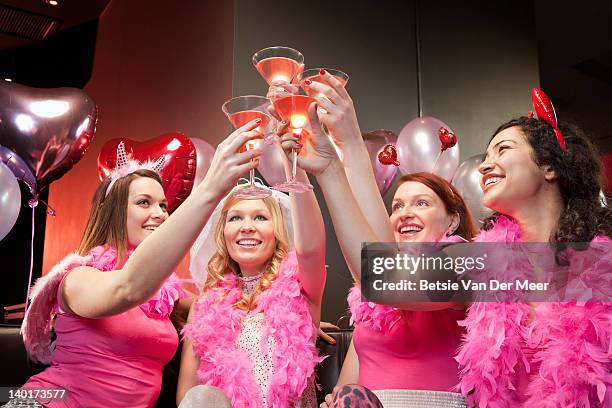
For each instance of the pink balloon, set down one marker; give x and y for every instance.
(375, 141)
(418, 146)
(467, 181)
(204, 155)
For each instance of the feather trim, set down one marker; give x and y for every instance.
(37, 325)
(374, 316)
(217, 324)
(572, 342)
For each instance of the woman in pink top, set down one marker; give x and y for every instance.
(112, 298)
(403, 355)
(395, 350)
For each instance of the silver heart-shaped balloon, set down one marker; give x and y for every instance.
(49, 129)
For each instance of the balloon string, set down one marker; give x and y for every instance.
(417, 34)
(31, 262)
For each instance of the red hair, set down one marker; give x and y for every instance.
(453, 202)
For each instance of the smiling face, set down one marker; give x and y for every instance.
(419, 215)
(147, 208)
(509, 174)
(249, 235)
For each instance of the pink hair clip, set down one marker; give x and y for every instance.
(126, 166)
(545, 111)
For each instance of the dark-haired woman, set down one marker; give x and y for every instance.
(111, 300)
(544, 185)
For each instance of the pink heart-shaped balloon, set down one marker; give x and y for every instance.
(49, 129)
(375, 142)
(179, 169)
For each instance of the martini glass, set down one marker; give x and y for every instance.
(278, 64)
(239, 112)
(294, 110)
(314, 74)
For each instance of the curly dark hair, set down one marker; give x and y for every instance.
(579, 175)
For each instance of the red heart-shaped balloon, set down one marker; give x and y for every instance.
(179, 169)
(447, 138)
(388, 155)
(49, 129)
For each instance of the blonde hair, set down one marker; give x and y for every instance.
(221, 263)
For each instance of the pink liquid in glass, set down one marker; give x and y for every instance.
(242, 118)
(278, 68)
(294, 108)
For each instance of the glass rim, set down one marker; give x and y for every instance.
(294, 96)
(260, 108)
(310, 72)
(275, 51)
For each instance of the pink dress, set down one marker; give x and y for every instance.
(115, 361)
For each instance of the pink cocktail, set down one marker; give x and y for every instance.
(278, 69)
(314, 74)
(278, 64)
(240, 111)
(239, 119)
(294, 109)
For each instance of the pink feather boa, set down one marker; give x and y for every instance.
(216, 325)
(572, 343)
(38, 322)
(379, 317)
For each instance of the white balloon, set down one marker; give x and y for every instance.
(10, 200)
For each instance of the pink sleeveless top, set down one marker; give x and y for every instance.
(405, 349)
(115, 361)
(416, 353)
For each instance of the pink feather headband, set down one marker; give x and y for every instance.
(126, 166)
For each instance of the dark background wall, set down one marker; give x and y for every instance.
(478, 62)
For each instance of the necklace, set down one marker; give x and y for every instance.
(249, 283)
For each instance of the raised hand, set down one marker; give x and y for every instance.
(280, 88)
(228, 163)
(336, 110)
(316, 150)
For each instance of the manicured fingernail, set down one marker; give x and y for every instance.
(333, 341)
(299, 145)
(258, 121)
(322, 71)
(308, 82)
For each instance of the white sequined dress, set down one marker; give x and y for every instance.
(249, 339)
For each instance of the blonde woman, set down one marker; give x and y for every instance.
(252, 332)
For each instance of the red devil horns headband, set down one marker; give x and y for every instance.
(546, 112)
